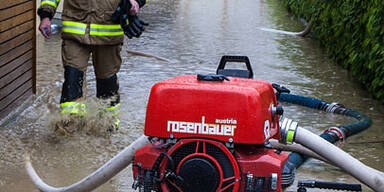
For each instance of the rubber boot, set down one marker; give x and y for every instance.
(108, 89)
(73, 112)
(71, 91)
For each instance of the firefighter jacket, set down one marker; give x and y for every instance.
(87, 21)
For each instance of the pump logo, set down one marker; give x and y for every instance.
(223, 127)
(267, 129)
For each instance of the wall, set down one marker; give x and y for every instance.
(17, 53)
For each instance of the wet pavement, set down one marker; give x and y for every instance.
(192, 35)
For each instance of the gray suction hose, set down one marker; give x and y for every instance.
(97, 178)
(367, 175)
(296, 148)
(303, 33)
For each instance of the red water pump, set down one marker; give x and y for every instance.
(210, 133)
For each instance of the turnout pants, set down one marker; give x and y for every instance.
(106, 62)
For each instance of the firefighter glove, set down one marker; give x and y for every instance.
(131, 24)
(134, 27)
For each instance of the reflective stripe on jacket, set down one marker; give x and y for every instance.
(74, 27)
(95, 29)
(106, 30)
(53, 3)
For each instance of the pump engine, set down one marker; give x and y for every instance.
(210, 133)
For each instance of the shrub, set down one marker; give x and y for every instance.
(352, 32)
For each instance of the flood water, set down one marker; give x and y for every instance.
(193, 35)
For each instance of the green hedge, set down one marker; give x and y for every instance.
(352, 32)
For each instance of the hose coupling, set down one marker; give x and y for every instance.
(288, 129)
(336, 108)
(338, 132)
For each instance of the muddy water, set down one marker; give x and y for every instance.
(193, 35)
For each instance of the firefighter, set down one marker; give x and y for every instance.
(88, 29)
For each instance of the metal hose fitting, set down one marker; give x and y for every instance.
(336, 108)
(288, 131)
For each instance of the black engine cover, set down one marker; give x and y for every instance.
(199, 174)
